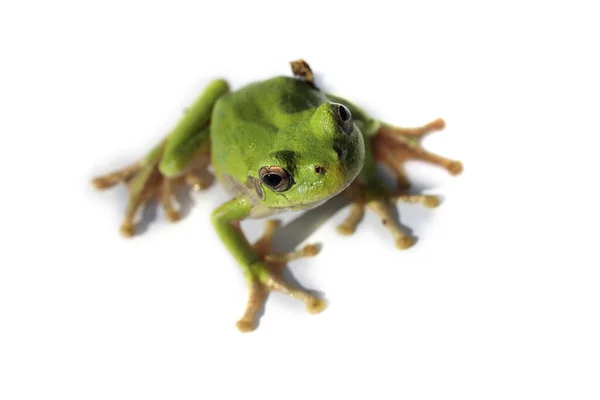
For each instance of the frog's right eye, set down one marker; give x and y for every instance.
(275, 178)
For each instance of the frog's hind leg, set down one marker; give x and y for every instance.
(144, 184)
(181, 158)
(394, 146)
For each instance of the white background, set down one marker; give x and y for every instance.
(499, 299)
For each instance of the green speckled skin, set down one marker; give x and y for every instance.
(284, 122)
(317, 145)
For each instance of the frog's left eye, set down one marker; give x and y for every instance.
(276, 178)
(344, 118)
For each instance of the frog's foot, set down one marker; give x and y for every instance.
(393, 146)
(267, 276)
(383, 205)
(145, 183)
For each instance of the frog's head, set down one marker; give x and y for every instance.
(313, 159)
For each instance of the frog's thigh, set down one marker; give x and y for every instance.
(191, 136)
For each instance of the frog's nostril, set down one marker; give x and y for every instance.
(319, 170)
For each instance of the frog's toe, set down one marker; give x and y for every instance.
(115, 177)
(346, 229)
(173, 215)
(102, 182)
(405, 242)
(310, 250)
(436, 125)
(127, 229)
(315, 305)
(348, 226)
(245, 325)
(454, 167)
(429, 201)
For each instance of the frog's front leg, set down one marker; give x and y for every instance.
(383, 204)
(262, 268)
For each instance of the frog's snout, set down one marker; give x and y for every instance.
(342, 143)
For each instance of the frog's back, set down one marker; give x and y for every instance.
(246, 121)
(270, 101)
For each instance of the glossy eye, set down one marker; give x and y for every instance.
(345, 114)
(276, 178)
(344, 118)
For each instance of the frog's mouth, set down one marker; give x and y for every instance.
(314, 204)
(308, 206)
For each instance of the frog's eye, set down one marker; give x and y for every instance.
(344, 118)
(276, 178)
(344, 113)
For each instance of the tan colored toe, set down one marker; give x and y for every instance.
(346, 230)
(127, 230)
(455, 167)
(101, 183)
(310, 250)
(244, 325)
(315, 306)
(438, 124)
(405, 242)
(431, 201)
(173, 216)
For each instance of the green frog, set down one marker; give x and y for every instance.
(278, 145)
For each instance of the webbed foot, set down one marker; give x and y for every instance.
(145, 183)
(267, 276)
